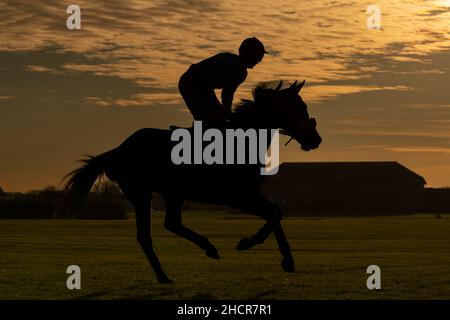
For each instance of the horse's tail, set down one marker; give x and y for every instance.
(80, 181)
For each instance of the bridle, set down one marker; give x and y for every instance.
(306, 124)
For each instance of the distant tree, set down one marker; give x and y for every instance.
(2, 193)
(50, 188)
(107, 188)
(50, 193)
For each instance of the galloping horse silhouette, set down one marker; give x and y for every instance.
(142, 165)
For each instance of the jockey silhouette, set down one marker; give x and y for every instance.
(224, 71)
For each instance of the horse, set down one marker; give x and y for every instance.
(142, 166)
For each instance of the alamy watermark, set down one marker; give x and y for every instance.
(73, 22)
(374, 20)
(374, 280)
(74, 280)
(236, 146)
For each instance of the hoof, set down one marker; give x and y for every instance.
(212, 253)
(244, 244)
(164, 280)
(288, 265)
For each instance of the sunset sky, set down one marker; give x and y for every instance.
(378, 95)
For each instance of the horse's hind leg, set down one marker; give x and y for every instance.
(142, 205)
(144, 238)
(173, 222)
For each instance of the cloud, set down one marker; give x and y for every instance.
(325, 92)
(393, 133)
(120, 72)
(420, 149)
(35, 68)
(49, 75)
(436, 12)
(138, 100)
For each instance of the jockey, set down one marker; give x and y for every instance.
(224, 71)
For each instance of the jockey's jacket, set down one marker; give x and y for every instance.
(224, 70)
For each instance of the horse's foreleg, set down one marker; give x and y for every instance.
(258, 238)
(288, 263)
(173, 222)
(273, 216)
(263, 208)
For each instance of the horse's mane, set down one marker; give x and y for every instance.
(260, 94)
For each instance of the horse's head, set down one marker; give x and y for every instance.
(286, 110)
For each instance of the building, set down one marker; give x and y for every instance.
(346, 188)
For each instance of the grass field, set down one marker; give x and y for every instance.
(331, 254)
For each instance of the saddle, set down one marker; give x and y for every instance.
(205, 125)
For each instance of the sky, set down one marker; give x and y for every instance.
(377, 95)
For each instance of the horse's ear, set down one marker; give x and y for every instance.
(300, 86)
(279, 85)
(293, 85)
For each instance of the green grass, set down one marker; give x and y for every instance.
(331, 255)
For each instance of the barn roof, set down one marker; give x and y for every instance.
(387, 172)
